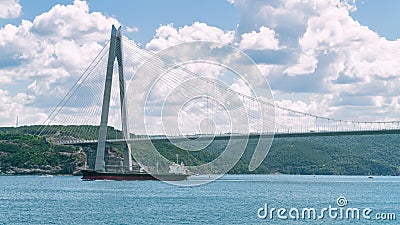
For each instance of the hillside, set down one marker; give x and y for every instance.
(341, 155)
(27, 154)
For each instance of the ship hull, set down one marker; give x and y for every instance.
(94, 175)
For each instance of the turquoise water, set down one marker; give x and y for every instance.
(233, 199)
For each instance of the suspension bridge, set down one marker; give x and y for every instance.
(102, 106)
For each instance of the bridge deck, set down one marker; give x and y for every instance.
(231, 136)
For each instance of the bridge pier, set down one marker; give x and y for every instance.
(90, 157)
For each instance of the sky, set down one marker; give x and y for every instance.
(333, 58)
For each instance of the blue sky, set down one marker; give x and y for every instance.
(333, 58)
(380, 16)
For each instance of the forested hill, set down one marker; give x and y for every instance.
(28, 154)
(23, 153)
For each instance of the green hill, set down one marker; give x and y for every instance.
(341, 155)
(27, 154)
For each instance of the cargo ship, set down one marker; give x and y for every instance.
(177, 172)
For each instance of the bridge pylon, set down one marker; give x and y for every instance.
(115, 53)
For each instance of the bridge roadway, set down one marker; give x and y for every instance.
(230, 136)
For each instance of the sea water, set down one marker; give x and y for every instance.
(232, 199)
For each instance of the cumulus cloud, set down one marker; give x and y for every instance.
(168, 35)
(73, 22)
(10, 9)
(265, 39)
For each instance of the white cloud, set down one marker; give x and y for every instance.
(168, 35)
(10, 9)
(132, 29)
(361, 50)
(265, 39)
(13, 106)
(306, 64)
(73, 22)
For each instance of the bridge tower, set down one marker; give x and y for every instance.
(115, 52)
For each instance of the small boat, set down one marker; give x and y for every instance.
(46, 175)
